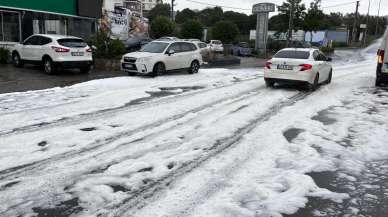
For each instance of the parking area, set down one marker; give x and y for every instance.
(33, 78)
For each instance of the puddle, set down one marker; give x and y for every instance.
(147, 169)
(324, 117)
(64, 209)
(117, 188)
(42, 144)
(292, 133)
(88, 129)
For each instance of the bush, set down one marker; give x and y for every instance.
(225, 31)
(192, 29)
(4, 55)
(106, 47)
(162, 26)
(327, 50)
(339, 44)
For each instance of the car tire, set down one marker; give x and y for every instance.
(269, 84)
(85, 70)
(48, 66)
(159, 69)
(328, 81)
(16, 60)
(378, 81)
(313, 87)
(194, 67)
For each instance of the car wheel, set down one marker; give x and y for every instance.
(48, 66)
(159, 69)
(314, 86)
(194, 68)
(17, 61)
(330, 77)
(378, 82)
(85, 70)
(269, 84)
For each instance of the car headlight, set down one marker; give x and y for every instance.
(144, 59)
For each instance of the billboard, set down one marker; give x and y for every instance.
(123, 24)
(89, 8)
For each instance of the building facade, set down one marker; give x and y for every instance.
(139, 7)
(23, 18)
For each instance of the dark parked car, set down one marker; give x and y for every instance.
(241, 49)
(136, 42)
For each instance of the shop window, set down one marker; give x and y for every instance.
(9, 26)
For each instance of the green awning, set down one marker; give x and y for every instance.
(67, 7)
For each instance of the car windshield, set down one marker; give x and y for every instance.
(216, 42)
(154, 47)
(292, 54)
(244, 45)
(72, 42)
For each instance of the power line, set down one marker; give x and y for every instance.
(342, 4)
(215, 5)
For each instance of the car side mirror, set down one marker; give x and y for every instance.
(329, 59)
(171, 52)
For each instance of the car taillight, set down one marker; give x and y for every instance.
(89, 50)
(380, 56)
(305, 67)
(60, 49)
(268, 65)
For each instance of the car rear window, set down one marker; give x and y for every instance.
(292, 54)
(72, 42)
(217, 42)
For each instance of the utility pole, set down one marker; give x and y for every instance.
(367, 25)
(172, 10)
(354, 33)
(377, 20)
(290, 24)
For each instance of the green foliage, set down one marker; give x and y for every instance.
(314, 18)
(185, 15)
(211, 16)
(159, 10)
(240, 19)
(327, 50)
(192, 29)
(4, 55)
(339, 44)
(299, 12)
(162, 26)
(225, 31)
(106, 47)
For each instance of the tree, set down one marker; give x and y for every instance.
(314, 18)
(299, 11)
(159, 10)
(192, 29)
(225, 31)
(240, 19)
(210, 16)
(185, 15)
(162, 26)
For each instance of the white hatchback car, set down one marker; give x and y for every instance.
(298, 65)
(216, 46)
(53, 52)
(158, 57)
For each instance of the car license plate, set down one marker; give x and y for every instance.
(285, 67)
(129, 66)
(77, 54)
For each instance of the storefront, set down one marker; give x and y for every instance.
(20, 19)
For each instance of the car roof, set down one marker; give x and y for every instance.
(171, 41)
(54, 36)
(299, 49)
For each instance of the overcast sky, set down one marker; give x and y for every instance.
(328, 5)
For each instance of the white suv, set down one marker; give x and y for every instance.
(382, 61)
(158, 57)
(53, 52)
(216, 46)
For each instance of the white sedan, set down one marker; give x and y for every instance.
(298, 65)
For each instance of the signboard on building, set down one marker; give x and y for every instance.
(263, 8)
